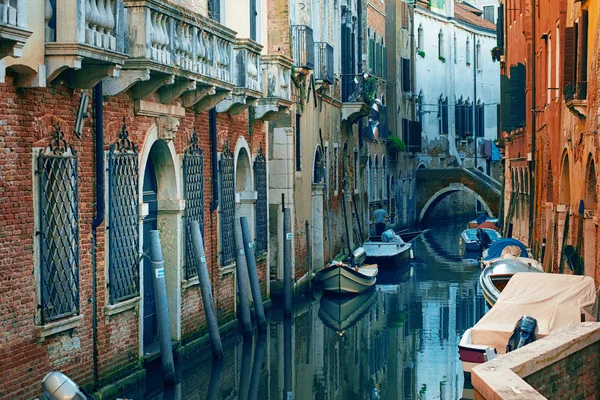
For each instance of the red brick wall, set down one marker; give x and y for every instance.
(27, 119)
(573, 377)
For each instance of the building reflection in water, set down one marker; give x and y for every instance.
(397, 341)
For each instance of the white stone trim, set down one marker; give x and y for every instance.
(114, 309)
(45, 331)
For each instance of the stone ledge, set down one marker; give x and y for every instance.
(45, 331)
(502, 378)
(186, 284)
(114, 309)
(228, 269)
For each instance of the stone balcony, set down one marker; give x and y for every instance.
(277, 92)
(177, 53)
(247, 77)
(354, 104)
(13, 28)
(85, 44)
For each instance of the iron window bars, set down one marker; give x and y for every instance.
(59, 230)
(123, 219)
(260, 182)
(227, 206)
(193, 176)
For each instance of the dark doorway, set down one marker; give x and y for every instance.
(149, 197)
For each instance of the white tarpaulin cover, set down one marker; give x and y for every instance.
(554, 300)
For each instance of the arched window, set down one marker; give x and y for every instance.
(420, 38)
(441, 45)
(468, 52)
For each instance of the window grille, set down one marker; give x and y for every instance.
(59, 230)
(123, 219)
(193, 176)
(227, 206)
(260, 182)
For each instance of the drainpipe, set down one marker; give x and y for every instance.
(475, 66)
(359, 40)
(99, 148)
(212, 128)
(533, 128)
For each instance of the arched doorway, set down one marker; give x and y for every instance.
(589, 226)
(318, 186)
(245, 195)
(162, 209)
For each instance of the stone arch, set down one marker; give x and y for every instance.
(161, 156)
(244, 181)
(565, 180)
(422, 165)
(443, 193)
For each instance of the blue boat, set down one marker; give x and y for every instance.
(472, 243)
(495, 250)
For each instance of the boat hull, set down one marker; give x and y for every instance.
(472, 355)
(342, 279)
(389, 255)
(495, 276)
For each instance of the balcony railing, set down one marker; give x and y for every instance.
(247, 65)
(575, 91)
(13, 27)
(324, 62)
(161, 33)
(302, 37)
(278, 77)
(352, 88)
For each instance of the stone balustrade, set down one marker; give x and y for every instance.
(277, 89)
(13, 28)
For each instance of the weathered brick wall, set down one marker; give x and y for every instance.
(27, 119)
(574, 377)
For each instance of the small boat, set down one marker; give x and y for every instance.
(341, 312)
(555, 301)
(390, 252)
(339, 277)
(472, 243)
(506, 245)
(475, 222)
(495, 277)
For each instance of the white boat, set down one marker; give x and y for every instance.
(495, 276)
(342, 278)
(387, 254)
(555, 301)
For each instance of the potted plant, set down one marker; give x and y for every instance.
(369, 90)
(442, 59)
(421, 53)
(395, 144)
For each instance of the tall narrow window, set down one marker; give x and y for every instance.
(384, 195)
(253, 19)
(193, 192)
(478, 55)
(440, 113)
(260, 183)
(123, 220)
(227, 207)
(549, 66)
(298, 142)
(59, 230)
(468, 52)
(420, 39)
(455, 50)
(355, 169)
(376, 192)
(336, 165)
(557, 61)
(441, 45)
(488, 13)
(214, 10)
(369, 175)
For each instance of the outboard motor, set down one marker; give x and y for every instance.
(483, 238)
(524, 333)
(58, 386)
(358, 256)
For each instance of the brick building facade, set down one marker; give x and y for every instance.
(549, 130)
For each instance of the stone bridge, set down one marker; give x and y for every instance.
(433, 185)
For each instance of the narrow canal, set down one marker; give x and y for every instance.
(398, 341)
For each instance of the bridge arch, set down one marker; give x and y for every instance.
(445, 192)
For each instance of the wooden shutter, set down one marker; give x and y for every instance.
(500, 28)
(570, 56)
(384, 63)
(405, 136)
(404, 15)
(582, 47)
(517, 95)
(415, 137)
(406, 75)
(505, 106)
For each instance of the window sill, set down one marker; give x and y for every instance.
(228, 269)
(186, 284)
(114, 309)
(43, 332)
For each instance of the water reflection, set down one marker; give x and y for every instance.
(396, 341)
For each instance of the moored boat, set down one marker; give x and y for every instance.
(472, 243)
(555, 301)
(391, 253)
(341, 312)
(342, 278)
(476, 222)
(495, 277)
